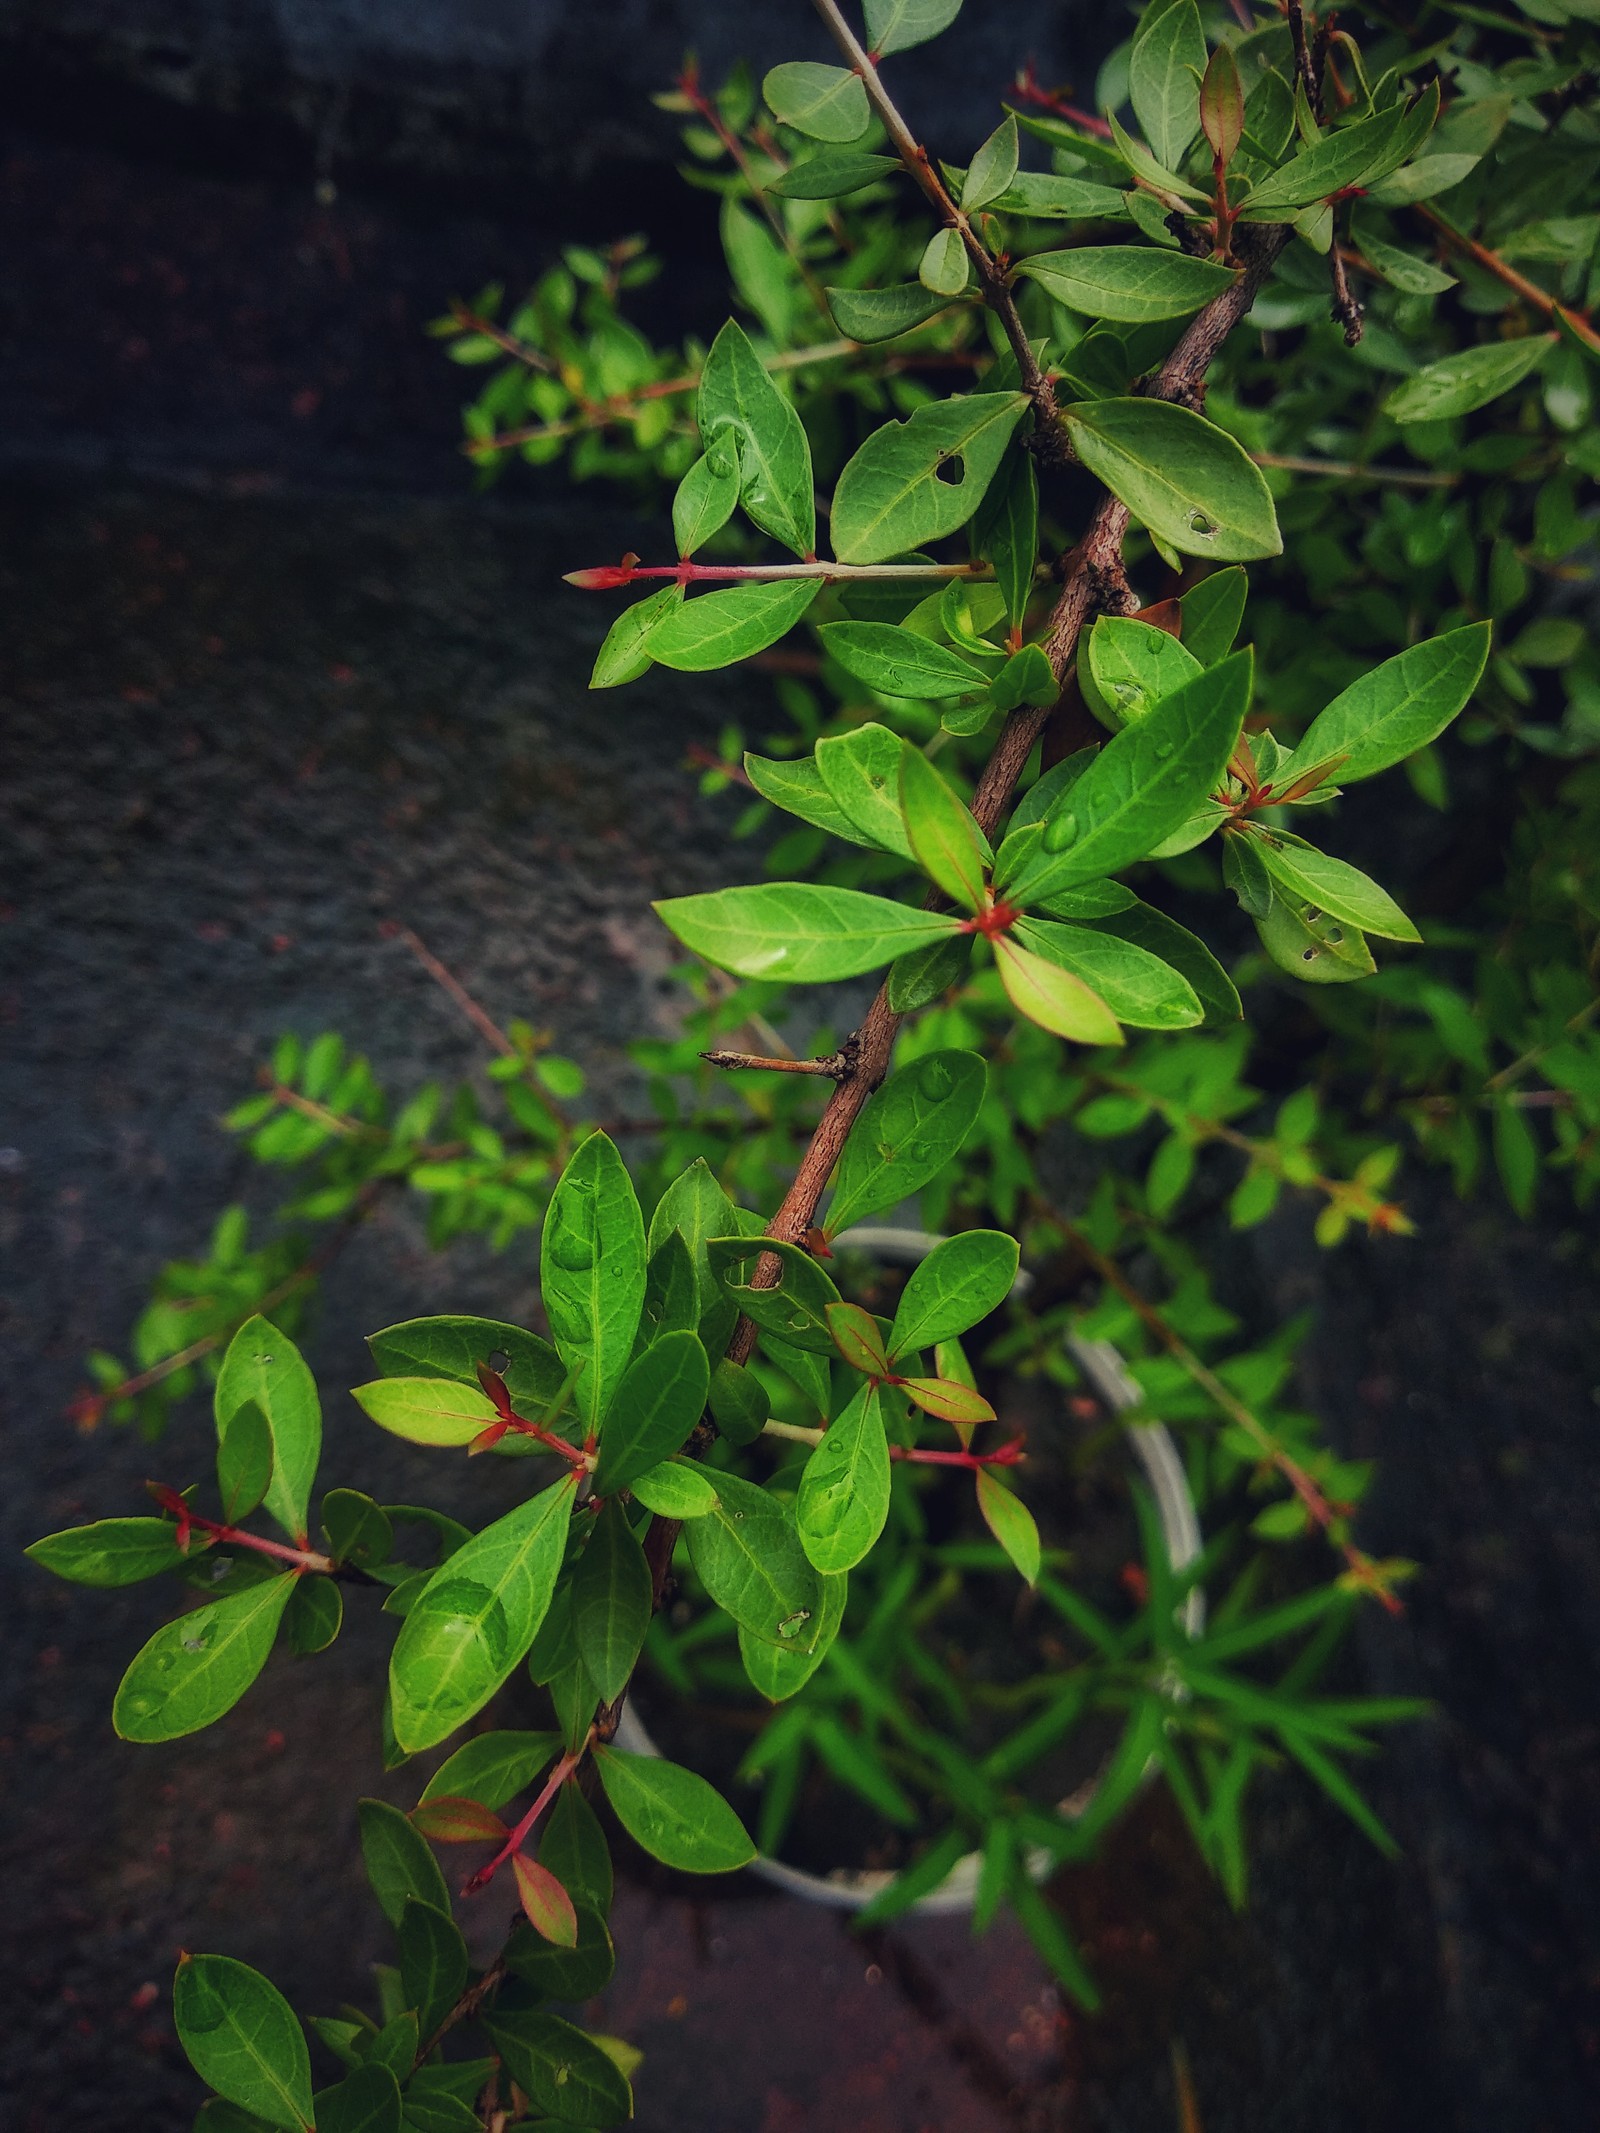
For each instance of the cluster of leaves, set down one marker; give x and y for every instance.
(796, 1451)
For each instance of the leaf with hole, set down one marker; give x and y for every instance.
(1334, 886)
(800, 932)
(796, 1307)
(914, 481)
(1319, 950)
(1192, 484)
(452, 1346)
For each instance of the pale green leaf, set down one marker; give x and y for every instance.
(881, 314)
(1189, 482)
(907, 1133)
(717, 629)
(1137, 986)
(426, 1410)
(826, 103)
(776, 484)
(264, 1366)
(673, 1813)
(1460, 384)
(961, 1281)
(1397, 708)
(242, 2038)
(799, 931)
(1011, 1523)
(623, 656)
(945, 841)
(1053, 997)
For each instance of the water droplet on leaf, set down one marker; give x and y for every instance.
(1060, 831)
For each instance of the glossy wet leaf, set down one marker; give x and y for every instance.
(795, 1307)
(545, 1903)
(1053, 997)
(1165, 63)
(1461, 383)
(492, 1767)
(242, 2039)
(906, 1134)
(992, 168)
(399, 1861)
(610, 1602)
(825, 103)
(1137, 986)
(1188, 481)
(706, 499)
(676, 1489)
(658, 1403)
(738, 400)
(896, 25)
(799, 931)
(696, 1207)
(1132, 284)
(861, 771)
(717, 629)
(440, 1411)
(111, 1552)
(944, 267)
(1011, 1522)
(831, 174)
(624, 651)
(779, 1671)
(961, 1281)
(453, 1346)
(673, 1814)
(797, 787)
(1319, 951)
(857, 1338)
(748, 1556)
(475, 1619)
(900, 662)
(264, 1367)
(912, 482)
(433, 1962)
(880, 314)
(739, 1401)
(1142, 785)
(1125, 667)
(1398, 707)
(1336, 887)
(592, 1272)
(844, 1490)
(565, 2073)
(1162, 936)
(1211, 613)
(945, 840)
(194, 1669)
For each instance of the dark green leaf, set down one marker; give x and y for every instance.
(574, 1848)
(262, 1366)
(1245, 874)
(366, 2101)
(1336, 887)
(113, 1551)
(557, 1973)
(992, 169)
(896, 25)
(881, 314)
(592, 1272)
(315, 1615)
(565, 2074)
(1137, 986)
(611, 1601)
(906, 1134)
(244, 1462)
(399, 1862)
(738, 1402)
(673, 1814)
(830, 174)
(747, 1555)
(194, 1669)
(799, 931)
(671, 1299)
(917, 978)
(1355, 155)
(1189, 482)
(795, 1307)
(656, 1408)
(1185, 951)
(1006, 531)
(242, 2039)
(696, 1206)
(492, 1768)
(433, 1962)
(441, 2099)
(896, 493)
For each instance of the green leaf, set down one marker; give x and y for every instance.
(315, 1615)
(906, 1134)
(862, 773)
(1424, 179)
(657, 1405)
(796, 1307)
(1398, 708)
(897, 492)
(111, 1552)
(427, 1410)
(748, 1556)
(592, 1272)
(366, 2101)
(960, 1282)
(1125, 667)
(194, 1669)
(1132, 284)
(1516, 1157)
(945, 268)
(857, 1338)
(676, 1489)
(672, 1814)
(624, 654)
(443, 2099)
(946, 842)
(491, 1768)
(476, 1617)
(896, 25)
(611, 1602)
(433, 1961)
(1169, 187)
(565, 2073)
(1053, 997)
(917, 978)
(739, 1402)
(1355, 155)
(1212, 612)
(1338, 888)
(399, 1862)
(355, 1529)
(720, 628)
(826, 103)
(1245, 873)
(900, 662)
(798, 788)
(1146, 928)
(831, 174)
(799, 931)
(453, 1347)
(242, 2038)
(881, 314)
(1006, 533)
(778, 1671)
(1320, 951)
(991, 169)
(671, 1299)
(264, 1366)
(1045, 198)
(844, 1490)
(575, 1850)
(1460, 384)
(244, 1463)
(572, 1974)
(1137, 986)
(1165, 63)
(1143, 784)
(706, 499)
(776, 484)
(1192, 484)
(696, 1207)
(1026, 678)
(1011, 1523)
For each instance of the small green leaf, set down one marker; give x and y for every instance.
(960, 1282)
(433, 1962)
(991, 169)
(738, 1402)
(1460, 384)
(1137, 986)
(945, 841)
(1026, 678)
(1398, 708)
(1516, 1157)
(1011, 1523)
(1355, 155)
(1184, 951)
(1132, 284)
(575, 1850)
(946, 1400)
(242, 2039)
(624, 654)
(862, 773)
(798, 788)
(896, 25)
(748, 1556)
(1211, 613)
(672, 1814)
(1006, 532)
(194, 1669)
(399, 1862)
(921, 976)
(366, 2101)
(264, 1366)
(706, 499)
(1336, 887)
(900, 662)
(565, 2073)
(611, 1602)
(355, 1529)
(795, 1307)
(945, 268)
(914, 481)
(491, 1768)
(1192, 484)
(671, 1299)
(1165, 63)
(907, 1133)
(676, 1489)
(315, 1615)
(831, 174)
(720, 628)
(1244, 871)
(1053, 997)
(799, 931)
(738, 401)
(475, 1619)
(881, 314)
(1320, 950)
(844, 1490)
(696, 1207)
(1125, 667)
(592, 1272)
(658, 1403)
(825, 103)
(244, 1462)
(111, 1552)
(427, 1410)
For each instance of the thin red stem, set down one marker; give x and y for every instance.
(518, 1837)
(1004, 1455)
(236, 1536)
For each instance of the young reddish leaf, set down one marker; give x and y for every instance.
(546, 1902)
(856, 1336)
(1222, 105)
(1054, 998)
(947, 1401)
(450, 1819)
(1011, 1523)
